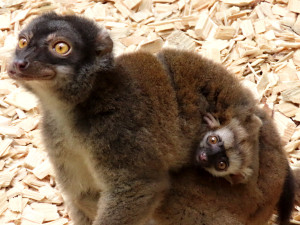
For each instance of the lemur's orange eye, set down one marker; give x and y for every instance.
(62, 48)
(222, 165)
(22, 42)
(212, 139)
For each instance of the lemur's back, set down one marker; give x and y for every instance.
(151, 79)
(202, 86)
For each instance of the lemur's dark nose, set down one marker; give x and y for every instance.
(21, 64)
(203, 157)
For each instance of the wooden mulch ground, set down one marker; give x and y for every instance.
(257, 40)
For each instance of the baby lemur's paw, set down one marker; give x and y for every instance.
(239, 178)
(211, 121)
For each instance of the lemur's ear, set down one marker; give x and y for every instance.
(257, 120)
(254, 122)
(104, 43)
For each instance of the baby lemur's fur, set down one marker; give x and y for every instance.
(116, 128)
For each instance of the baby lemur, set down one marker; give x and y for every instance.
(119, 130)
(224, 152)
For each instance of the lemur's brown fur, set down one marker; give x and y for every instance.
(205, 86)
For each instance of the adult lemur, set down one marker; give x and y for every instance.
(116, 128)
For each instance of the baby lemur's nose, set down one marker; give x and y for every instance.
(202, 157)
(21, 64)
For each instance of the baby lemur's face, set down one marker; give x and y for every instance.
(219, 152)
(227, 151)
(214, 152)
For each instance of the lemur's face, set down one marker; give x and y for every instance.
(61, 54)
(211, 153)
(47, 48)
(219, 153)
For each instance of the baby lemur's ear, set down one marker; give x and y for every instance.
(254, 123)
(104, 44)
(256, 120)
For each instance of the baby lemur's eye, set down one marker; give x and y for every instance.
(222, 165)
(62, 48)
(22, 42)
(212, 139)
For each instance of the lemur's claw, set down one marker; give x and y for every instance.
(211, 121)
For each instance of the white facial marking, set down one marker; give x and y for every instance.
(227, 137)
